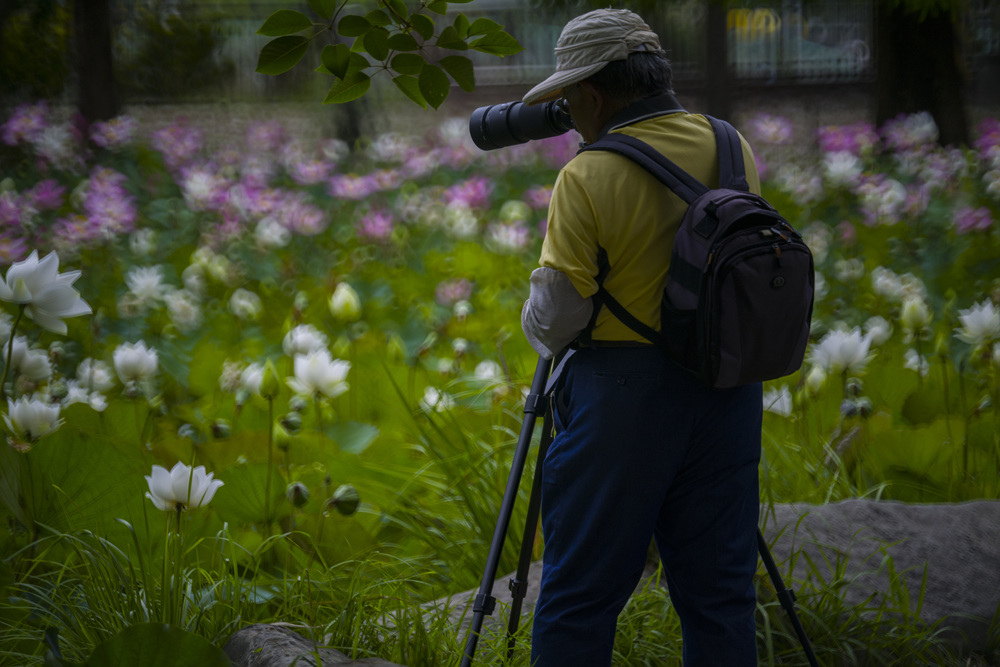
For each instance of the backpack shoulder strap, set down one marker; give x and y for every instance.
(679, 181)
(732, 171)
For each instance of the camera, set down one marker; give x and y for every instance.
(510, 123)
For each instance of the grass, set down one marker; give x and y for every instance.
(77, 589)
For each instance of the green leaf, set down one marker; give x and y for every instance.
(353, 25)
(461, 24)
(498, 44)
(284, 22)
(281, 54)
(434, 85)
(358, 63)
(403, 42)
(483, 26)
(399, 11)
(407, 63)
(323, 8)
(243, 498)
(438, 6)
(411, 88)
(378, 18)
(450, 39)
(424, 25)
(353, 437)
(349, 88)
(157, 645)
(461, 70)
(335, 58)
(377, 43)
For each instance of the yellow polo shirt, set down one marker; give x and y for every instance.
(604, 199)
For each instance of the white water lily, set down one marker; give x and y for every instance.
(34, 364)
(78, 393)
(47, 294)
(842, 351)
(317, 373)
(250, 378)
(134, 362)
(181, 488)
(31, 418)
(304, 339)
(980, 324)
(878, 329)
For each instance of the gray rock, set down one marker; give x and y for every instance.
(852, 544)
(262, 645)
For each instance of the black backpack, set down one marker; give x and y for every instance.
(739, 294)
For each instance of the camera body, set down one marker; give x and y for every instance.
(500, 125)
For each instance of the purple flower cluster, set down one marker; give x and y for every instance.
(856, 138)
(449, 292)
(967, 219)
(376, 226)
(26, 124)
(178, 143)
(910, 131)
(106, 210)
(114, 134)
(474, 192)
(767, 128)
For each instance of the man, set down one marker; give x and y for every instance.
(643, 450)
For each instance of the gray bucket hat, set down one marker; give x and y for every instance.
(588, 43)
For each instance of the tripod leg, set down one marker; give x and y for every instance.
(519, 584)
(785, 596)
(484, 602)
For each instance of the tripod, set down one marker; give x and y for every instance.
(535, 406)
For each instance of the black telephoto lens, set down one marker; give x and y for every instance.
(510, 123)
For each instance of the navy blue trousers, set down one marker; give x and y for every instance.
(644, 451)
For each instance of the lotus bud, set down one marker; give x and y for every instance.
(396, 348)
(57, 351)
(815, 380)
(301, 302)
(341, 347)
(270, 384)
(241, 396)
(853, 387)
(848, 408)
(941, 345)
(864, 405)
(58, 390)
(292, 421)
(298, 403)
(221, 429)
(297, 494)
(282, 438)
(345, 304)
(345, 500)
(914, 315)
(242, 460)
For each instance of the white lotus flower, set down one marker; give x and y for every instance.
(78, 393)
(48, 294)
(304, 339)
(184, 309)
(878, 329)
(134, 362)
(250, 378)
(181, 487)
(435, 400)
(778, 401)
(95, 375)
(245, 304)
(146, 283)
(842, 351)
(31, 418)
(980, 324)
(317, 373)
(32, 363)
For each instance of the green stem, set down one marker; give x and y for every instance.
(270, 467)
(177, 592)
(10, 350)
